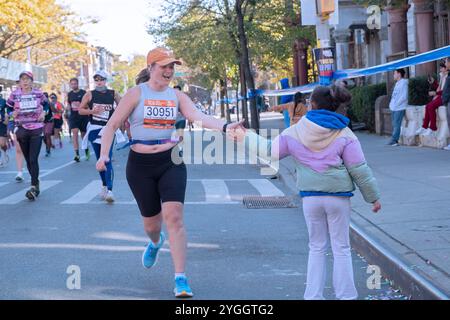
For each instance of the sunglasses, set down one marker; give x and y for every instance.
(99, 79)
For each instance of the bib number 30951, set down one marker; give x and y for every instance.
(160, 114)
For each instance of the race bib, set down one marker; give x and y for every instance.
(28, 104)
(75, 105)
(160, 114)
(104, 115)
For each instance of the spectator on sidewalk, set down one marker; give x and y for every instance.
(429, 122)
(398, 104)
(446, 96)
(296, 108)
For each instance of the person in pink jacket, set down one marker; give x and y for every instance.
(329, 163)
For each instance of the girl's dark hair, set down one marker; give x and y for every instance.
(330, 98)
(298, 97)
(442, 65)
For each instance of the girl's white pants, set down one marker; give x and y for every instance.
(329, 215)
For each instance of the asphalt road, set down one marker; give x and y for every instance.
(233, 252)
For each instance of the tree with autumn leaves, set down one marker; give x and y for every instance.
(226, 39)
(48, 32)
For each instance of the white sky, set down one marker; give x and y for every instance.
(122, 23)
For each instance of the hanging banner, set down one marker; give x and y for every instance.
(425, 57)
(434, 55)
(324, 58)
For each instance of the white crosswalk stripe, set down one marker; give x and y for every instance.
(20, 196)
(86, 194)
(265, 187)
(199, 192)
(216, 190)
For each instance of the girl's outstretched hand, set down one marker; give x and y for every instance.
(376, 206)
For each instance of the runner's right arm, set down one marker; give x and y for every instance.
(125, 107)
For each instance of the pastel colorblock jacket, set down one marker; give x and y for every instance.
(328, 156)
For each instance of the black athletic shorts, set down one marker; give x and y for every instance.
(78, 122)
(154, 178)
(3, 130)
(57, 123)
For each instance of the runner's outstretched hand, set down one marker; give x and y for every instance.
(235, 125)
(237, 132)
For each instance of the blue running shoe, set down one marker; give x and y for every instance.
(182, 289)
(150, 255)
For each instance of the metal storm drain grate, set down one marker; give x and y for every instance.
(261, 202)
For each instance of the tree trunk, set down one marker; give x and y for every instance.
(245, 58)
(244, 95)
(227, 103)
(222, 99)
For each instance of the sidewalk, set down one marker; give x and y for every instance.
(414, 223)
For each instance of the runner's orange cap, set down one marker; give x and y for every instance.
(162, 57)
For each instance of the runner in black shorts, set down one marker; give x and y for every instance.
(77, 122)
(154, 173)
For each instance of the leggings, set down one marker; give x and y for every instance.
(30, 142)
(108, 175)
(329, 216)
(430, 113)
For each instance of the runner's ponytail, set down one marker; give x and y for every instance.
(142, 76)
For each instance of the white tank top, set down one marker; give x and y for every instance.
(155, 116)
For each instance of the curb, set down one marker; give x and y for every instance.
(410, 282)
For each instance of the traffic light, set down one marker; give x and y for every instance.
(325, 7)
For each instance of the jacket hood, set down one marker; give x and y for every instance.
(319, 128)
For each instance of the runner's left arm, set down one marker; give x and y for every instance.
(191, 113)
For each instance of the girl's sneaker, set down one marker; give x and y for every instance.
(182, 289)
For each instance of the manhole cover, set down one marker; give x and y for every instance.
(261, 202)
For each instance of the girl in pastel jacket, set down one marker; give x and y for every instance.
(329, 162)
